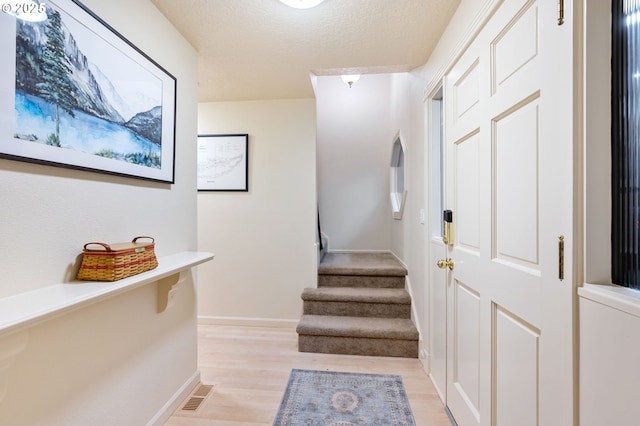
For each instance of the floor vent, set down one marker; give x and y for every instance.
(196, 399)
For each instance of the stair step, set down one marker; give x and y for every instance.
(367, 264)
(364, 302)
(341, 326)
(358, 336)
(360, 281)
(355, 294)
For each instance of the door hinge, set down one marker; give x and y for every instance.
(561, 257)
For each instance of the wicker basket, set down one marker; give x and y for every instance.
(104, 262)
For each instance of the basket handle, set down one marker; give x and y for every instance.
(151, 238)
(106, 246)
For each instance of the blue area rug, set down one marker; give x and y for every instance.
(328, 398)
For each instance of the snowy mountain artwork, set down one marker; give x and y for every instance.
(87, 98)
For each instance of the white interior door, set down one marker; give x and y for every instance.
(508, 174)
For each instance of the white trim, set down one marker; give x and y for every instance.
(414, 312)
(362, 251)
(620, 298)
(593, 142)
(174, 402)
(400, 260)
(438, 391)
(248, 322)
(425, 359)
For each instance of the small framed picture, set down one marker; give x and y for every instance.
(223, 162)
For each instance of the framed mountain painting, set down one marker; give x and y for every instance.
(80, 95)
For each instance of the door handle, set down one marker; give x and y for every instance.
(445, 263)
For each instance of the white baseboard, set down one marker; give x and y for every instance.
(358, 251)
(248, 322)
(425, 360)
(174, 402)
(400, 260)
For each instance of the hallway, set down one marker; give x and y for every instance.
(249, 366)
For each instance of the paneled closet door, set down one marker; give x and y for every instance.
(508, 174)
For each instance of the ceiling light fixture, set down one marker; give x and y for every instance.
(302, 4)
(350, 80)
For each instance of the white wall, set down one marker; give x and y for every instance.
(264, 239)
(597, 122)
(355, 137)
(609, 316)
(408, 238)
(118, 357)
(609, 352)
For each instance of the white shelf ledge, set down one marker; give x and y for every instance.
(621, 298)
(27, 309)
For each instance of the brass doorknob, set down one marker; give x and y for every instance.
(445, 263)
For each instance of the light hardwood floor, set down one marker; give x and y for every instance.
(249, 367)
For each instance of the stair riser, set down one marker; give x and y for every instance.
(355, 309)
(360, 281)
(358, 346)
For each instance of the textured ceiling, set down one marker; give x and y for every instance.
(262, 49)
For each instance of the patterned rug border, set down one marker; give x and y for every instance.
(300, 405)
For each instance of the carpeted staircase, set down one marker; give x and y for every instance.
(360, 307)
